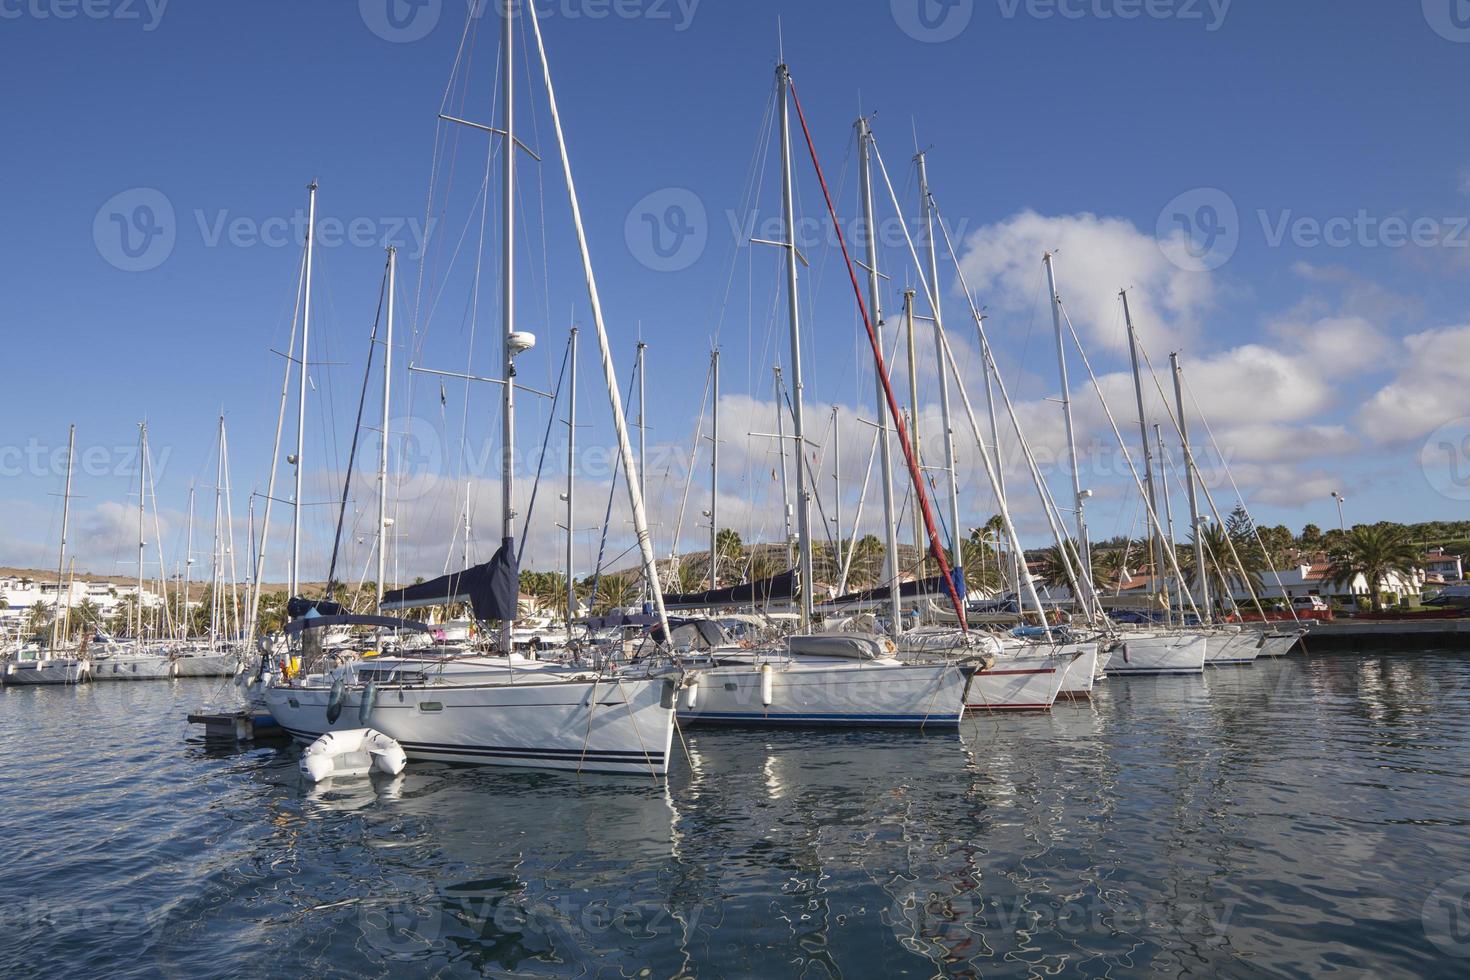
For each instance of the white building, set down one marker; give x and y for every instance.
(19, 595)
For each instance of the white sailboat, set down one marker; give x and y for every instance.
(496, 710)
(32, 664)
(826, 679)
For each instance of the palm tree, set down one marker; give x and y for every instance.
(1225, 576)
(1054, 570)
(1111, 565)
(1375, 552)
(867, 561)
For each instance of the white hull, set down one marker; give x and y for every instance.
(207, 665)
(607, 725)
(130, 668)
(1021, 680)
(832, 693)
(1081, 676)
(1159, 653)
(1278, 644)
(1231, 649)
(58, 671)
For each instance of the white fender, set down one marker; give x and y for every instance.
(691, 694)
(766, 683)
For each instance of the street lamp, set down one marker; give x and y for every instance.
(1341, 526)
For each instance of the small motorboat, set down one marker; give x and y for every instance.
(355, 752)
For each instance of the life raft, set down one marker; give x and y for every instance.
(358, 752)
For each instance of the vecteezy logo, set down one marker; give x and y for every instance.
(416, 456)
(401, 21)
(932, 21)
(135, 231)
(1199, 230)
(667, 230)
(402, 930)
(1446, 916)
(932, 923)
(1445, 459)
(1449, 18)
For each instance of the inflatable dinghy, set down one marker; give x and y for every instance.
(358, 752)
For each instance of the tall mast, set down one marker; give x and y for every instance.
(714, 471)
(908, 321)
(188, 565)
(1189, 477)
(956, 530)
(142, 544)
(229, 552)
(642, 436)
(1154, 544)
(216, 555)
(803, 495)
(56, 614)
(781, 448)
(1168, 512)
(383, 448)
(508, 15)
(1084, 546)
(875, 301)
(571, 484)
(837, 487)
(301, 396)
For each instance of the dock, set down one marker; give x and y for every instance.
(236, 726)
(1389, 634)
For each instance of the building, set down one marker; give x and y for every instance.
(19, 595)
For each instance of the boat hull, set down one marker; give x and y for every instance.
(1278, 644)
(841, 695)
(58, 671)
(1231, 649)
(1020, 680)
(134, 669)
(608, 725)
(209, 665)
(1081, 676)
(1160, 653)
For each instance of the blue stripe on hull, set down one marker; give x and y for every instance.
(1139, 673)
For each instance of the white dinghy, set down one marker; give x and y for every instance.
(356, 752)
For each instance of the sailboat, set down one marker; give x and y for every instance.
(501, 710)
(33, 665)
(142, 660)
(217, 656)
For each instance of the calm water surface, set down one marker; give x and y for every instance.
(1297, 817)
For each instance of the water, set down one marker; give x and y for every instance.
(1292, 818)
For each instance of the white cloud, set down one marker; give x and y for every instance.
(1430, 388)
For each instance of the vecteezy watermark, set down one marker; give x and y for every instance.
(1199, 230)
(411, 929)
(1450, 19)
(932, 21)
(1445, 459)
(147, 13)
(1446, 916)
(667, 230)
(1210, 13)
(404, 21)
(38, 459)
(138, 229)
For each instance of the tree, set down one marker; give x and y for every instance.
(1375, 552)
(1224, 575)
(38, 618)
(867, 562)
(1111, 567)
(1054, 569)
(1310, 538)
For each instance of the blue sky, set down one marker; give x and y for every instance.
(1325, 314)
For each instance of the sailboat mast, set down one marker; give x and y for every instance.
(908, 320)
(798, 421)
(956, 530)
(1189, 478)
(71, 445)
(875, 301)
(508, 15)
(383, 447)
(188, 564)
(301, 395)
(837, 487)
(216, 561)
(780, 392)
(229, 552)
(642, 435)
(1168, 510)
(142, 544)
(1084, 546)
(1154, 544)
(571, 484)
(714, 472)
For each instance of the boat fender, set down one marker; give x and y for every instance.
(335, 701)
(766, 684)
(368, 703)
(691, 695)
